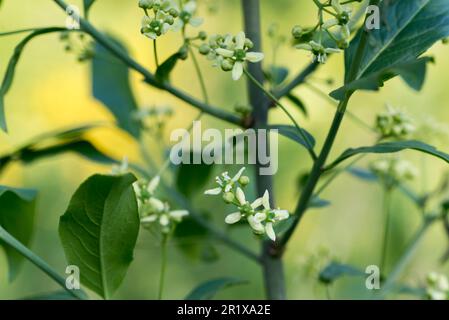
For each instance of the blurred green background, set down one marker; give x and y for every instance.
(52, 91)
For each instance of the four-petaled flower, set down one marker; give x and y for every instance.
(318, 50)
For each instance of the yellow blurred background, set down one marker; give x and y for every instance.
(52, 91)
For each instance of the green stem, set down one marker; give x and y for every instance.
(386, 228)
(278, 103)
(163, 266)
(38, 262)
(406, 257)
(199, 75)
(156, 58)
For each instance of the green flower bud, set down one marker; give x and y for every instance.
(183, 52)
(202, 35)
(145, 4)
(228, 197)
(169, 19)
(173, 12)
(204, 49)
(297, 31)
(244, 181)
(227, 65)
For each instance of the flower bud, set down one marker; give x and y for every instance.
(169, 19)
(183, 53)
(228, 197)
(202, 35)
(297, 31)
(244, 181)
(227, 65)
(173, 12)
(204, 49)
(145, 4)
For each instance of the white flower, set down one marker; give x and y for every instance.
(225, 182)
(155, 27)
(437, 286)
(238, 54)
(318, 50)
(186, 16)
(233, 218)
(177, 215)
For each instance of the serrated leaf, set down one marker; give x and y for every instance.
(409, 28)
(209, 289)
(292, 133)
(391, 147)
(17, 209)
(413, 73)
(335, 270)
(298, 102)
(99, 231)
(11, 69)
(163, 72)
(111, 86)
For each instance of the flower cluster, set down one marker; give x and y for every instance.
(336, 29)
(394, 124)
(152, 210)
(230, 52)
(79, 45)
(164, 15)
(261, 220)
(437, 287)
(394, 170)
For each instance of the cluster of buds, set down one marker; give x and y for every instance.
(230, 52)
(167, 15)
(261, 220)
(393, 170)
(437, 287)
(79, 45)
(152, 210)
(394, 124)
(337, 29)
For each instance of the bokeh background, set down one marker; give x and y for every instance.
(52, 91)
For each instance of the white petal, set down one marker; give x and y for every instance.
(228, 188)
(260, 216)
(151, 35)
(225, 52)
(332, 50)
(178, 214)
(330, 23)
(270, 231)
(165, 28)
(163, 220)
(240, 196)
(196, 22)
(177, 26)
(152, 185)
(280, 215)
(237, 71)
(257, 203)
(256, 225)
(254, 56)
(266, 200)
(240, 40)
(190, 7)
(156, 204)
(233, 218)
(238, 175)
(213, 192)
(304, 46)
(149, 219)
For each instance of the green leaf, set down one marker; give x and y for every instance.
(56, 143)
(413, 73)
(99, 231)
(298, 102)
(391, 147)
(11, 69)
(17, 209)
(163, 72)
(335, 270)
(409, 29)
(111, 85)
(209, 289)
(292, 133)
(276, 75)
(192, 178)
(57, 295)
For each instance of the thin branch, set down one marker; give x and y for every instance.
(149, 77)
